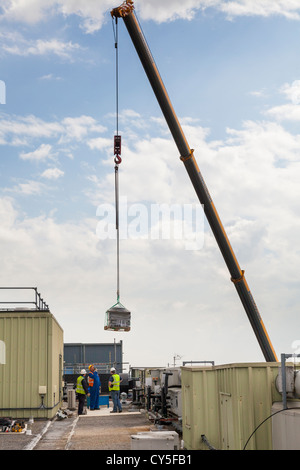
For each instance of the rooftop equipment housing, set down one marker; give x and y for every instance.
(224, 404)
(31, 368)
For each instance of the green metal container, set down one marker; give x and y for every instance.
(31, 367)
(223, 405)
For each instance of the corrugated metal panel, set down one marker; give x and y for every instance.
(199, 412)
(33, 358)
(226, 403)
(83, 353)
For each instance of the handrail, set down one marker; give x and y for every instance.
(38, 301)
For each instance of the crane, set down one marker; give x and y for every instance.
(126, 12)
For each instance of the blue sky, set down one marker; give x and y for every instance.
(232, 72)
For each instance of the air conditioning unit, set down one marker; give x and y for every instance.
(174, 380)
(175, 401)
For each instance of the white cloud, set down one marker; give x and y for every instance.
(28, 189)
(50, 76)
(52, 46)
(25, 129)
(286, 112)
(79, 127)
(29, 11)
(52, 173)
(258, 93)
(93, 14)
(161, 12)
(287, 8)
(100, 143)
(41, 153)
(15, 44)
(34, 249)
(33, 11)
(292, 91)
(290, 111)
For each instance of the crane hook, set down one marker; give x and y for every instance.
(117, 159)
(117, 149)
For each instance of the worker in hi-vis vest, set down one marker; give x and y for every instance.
(82, 390)
(114, 388)
(94, 388)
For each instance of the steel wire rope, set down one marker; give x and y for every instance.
(115, 32)
(117, 158)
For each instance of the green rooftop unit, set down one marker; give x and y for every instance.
(223, 405)
(31, 364)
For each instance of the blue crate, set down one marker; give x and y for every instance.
(103, 400)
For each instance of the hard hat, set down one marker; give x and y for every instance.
(112, 369)
(90, 366)
(83, 371)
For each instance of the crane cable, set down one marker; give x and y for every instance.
(115, 31)
(117, 158)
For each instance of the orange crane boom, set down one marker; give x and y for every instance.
(126, 12)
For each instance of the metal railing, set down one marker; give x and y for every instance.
(37, 302)
(101, 367)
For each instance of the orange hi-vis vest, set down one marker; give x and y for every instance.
(91, 382)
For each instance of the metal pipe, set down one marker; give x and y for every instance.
(41, 407)
(126, 11)
(283, 378)
(198, 362)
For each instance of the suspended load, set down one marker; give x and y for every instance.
(117, 318)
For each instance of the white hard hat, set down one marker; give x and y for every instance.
(112, 369)
(83, 371)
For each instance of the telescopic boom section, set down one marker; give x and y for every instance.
(126, 11)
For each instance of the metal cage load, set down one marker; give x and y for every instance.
(117, 318)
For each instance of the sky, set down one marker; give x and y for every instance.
(232, 71)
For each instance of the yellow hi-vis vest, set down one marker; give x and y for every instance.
(79, 387)
(116, 382)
